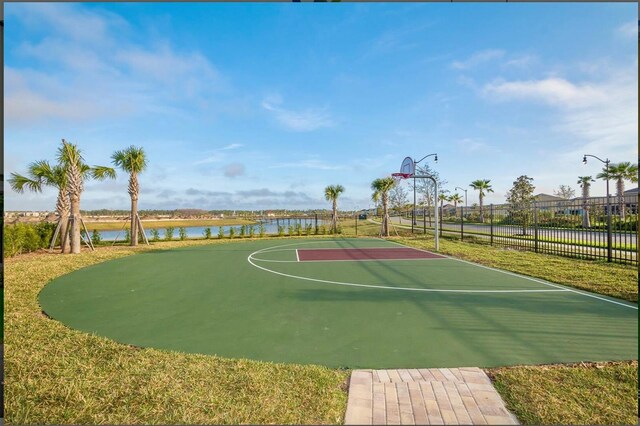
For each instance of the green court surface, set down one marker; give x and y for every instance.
(260, 300)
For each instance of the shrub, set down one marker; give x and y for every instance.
(298, 229)
(280, 230)
(95, 237)
(182, 232)
(168, 234)
(307, 229)
(262, 230)
(127, 236)
(207, 233)
(252, 231)
(290, 230)
(25, 238)
(232, 232)
(243, 231)
(323, 230)
(155, 235)
(220, 232)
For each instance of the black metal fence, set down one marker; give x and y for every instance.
(588, 229)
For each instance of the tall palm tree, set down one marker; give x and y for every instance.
(585, 184)
(483, 187)
(76, 171)
(42, 173)
(331, 193)
(620, 172)
(133, 161)
(381, 188)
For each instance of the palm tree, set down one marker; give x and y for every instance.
(76, 171)
(42, 173)
(483, 187)
(620, 172)
(133, 161)
(585, 184)
(455, 199)
(331, 193)
(381, 188)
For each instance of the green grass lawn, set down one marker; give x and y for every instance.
(57, 375)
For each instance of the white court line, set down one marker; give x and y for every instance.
(345, 260)
(297, 257)
(531, 279)
(250, 258)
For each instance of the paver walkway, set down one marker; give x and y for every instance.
(425, 396)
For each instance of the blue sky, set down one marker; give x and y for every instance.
(258, 106)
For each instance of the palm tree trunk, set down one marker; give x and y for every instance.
(75, 224)
(385, 218)
(481, 212)
(334, 218)
(134, 222)
(585, 207)
(62, 208)
(620, 188)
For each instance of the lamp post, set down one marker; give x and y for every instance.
(462, 213)
(606, 162)
(413, 214)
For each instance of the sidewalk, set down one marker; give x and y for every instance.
(425, 396)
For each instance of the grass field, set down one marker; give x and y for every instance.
(57, 375)
(150, 224)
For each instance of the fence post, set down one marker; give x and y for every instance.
(356, 224)
(461, 223)
(535, 227)
(316, 223)
(491, 222)
(424, 221)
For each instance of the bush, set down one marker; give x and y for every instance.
(323, 230)
(127, 236)
(95, 237)
(232, 232)
(220, 232)
(182, 232)
(290, 230)
(207, 233)
(168, 234)
(307, 229)
(252, 231)
(262, 230)
(243, 231)
(298, 229)
(25, 238)
(280, 230)
(155, 235)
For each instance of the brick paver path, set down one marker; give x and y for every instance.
(425, 396)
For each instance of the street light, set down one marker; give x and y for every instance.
(606, 162)
(462, 213)
(415, 163)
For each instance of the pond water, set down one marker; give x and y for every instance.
(270, 227)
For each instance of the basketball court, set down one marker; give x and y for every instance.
(348, 302)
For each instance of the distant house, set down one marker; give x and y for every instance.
(547, 197)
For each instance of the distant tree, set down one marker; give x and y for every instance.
(381, 188)
(95, 237)
(483, 187)
(398, 196)
(207, 233)
(565, 191)
(455, 199)
(520, 199)
(155, 234)
(133, 161)
(620, 172)
(331, 193)
(182, 233)
(426, 187)
(585, 184)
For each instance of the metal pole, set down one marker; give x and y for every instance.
(462, 224)
(413, 213)
(535, 226)
(356, 215)
(608, 218)
(436, 216)
(490, 222)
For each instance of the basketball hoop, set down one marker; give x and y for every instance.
(397, 177)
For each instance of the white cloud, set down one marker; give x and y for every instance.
(628, 30)
(522, 61)
(478, 58)
(299, 121)
(232, 146)
(554, 91)
(308, 164)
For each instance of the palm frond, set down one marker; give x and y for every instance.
(19, 183)
(103, 172)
